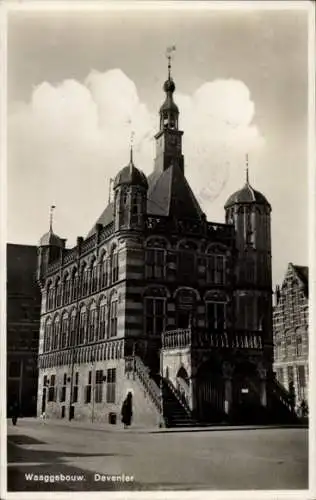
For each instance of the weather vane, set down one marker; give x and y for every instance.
(169, 53)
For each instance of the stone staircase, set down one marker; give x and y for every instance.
(173, 410)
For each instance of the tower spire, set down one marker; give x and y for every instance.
(51, 216)
(131, 163)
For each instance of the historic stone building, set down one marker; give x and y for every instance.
(23, 322)
(290, 330)
(160, 301)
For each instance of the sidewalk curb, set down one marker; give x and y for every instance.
(81, 425)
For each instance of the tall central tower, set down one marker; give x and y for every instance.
(169, 137)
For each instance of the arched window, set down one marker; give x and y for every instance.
(102, 320)
(216, 265)
(155, 265)
(155, 311)
(94, 276)
(72, 340)
(64, 330)
(75, 284)
(82, 325)
(55, 333)
(58, 289)
(113, 316)
(50, 296)
(47, 335)
(92, 323)
(66, 288)
(85, 275)
(103, 271)
(114, 265)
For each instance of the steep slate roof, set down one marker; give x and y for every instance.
(169, 194)
(105, 218)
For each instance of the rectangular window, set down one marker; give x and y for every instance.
(52, 389)
(155, 263)
(216, 316)
(111, 385)
(154, 316)
(98, 386)
(88, 389)
(216, 269)
(75, 388)
(62, 394)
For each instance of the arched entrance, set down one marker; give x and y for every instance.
(246, 408)
(210, 392)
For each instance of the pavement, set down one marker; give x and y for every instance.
(58, 455)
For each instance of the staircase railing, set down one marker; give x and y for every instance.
(281, 393)
(134, 364)
(178, 396)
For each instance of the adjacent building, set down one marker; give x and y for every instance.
(290, 327)
(159, 301)
(23, 320)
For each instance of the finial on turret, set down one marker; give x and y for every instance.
(247, 169)
(169, 51)
(131, 148)
(51, 216)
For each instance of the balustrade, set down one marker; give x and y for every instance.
(133, 364)
(180, 338)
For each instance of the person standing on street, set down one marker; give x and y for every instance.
(127, 410)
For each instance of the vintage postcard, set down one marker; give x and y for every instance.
(159, 181)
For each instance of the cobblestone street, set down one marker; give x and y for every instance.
(215, 459)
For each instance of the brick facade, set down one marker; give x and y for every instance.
(154, 280)
(290, 330)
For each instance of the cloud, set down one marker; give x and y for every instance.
(71, 138)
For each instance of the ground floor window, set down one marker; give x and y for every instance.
(62, 396)
(88, 389)
(75, 388)
(98, 386)
(52, 389)
(111, 385)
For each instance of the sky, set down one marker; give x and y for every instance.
(80, 82)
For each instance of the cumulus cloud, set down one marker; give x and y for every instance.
(67, 142)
